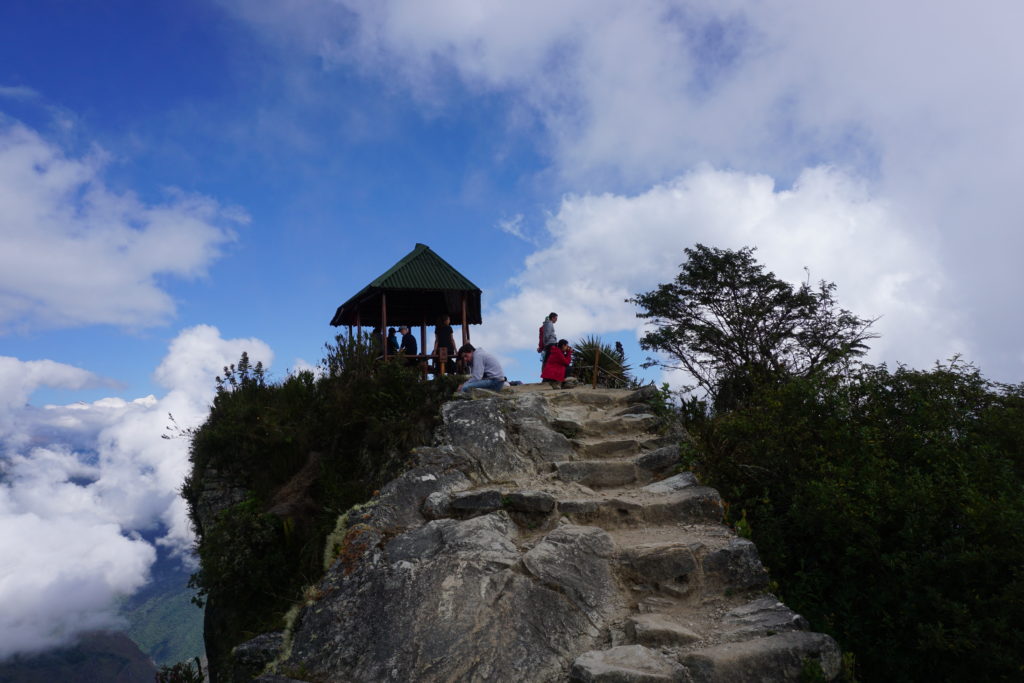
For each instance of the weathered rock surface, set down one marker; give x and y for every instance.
(525, 546)
(676, 483)
(659, 460)
(656, 630)
(625, 664)
(530, 501)
(250, 658)
(455, 600)
(762, 617)
(780, 657)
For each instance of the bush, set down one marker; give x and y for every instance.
(889, 508)
(613, 369)
(182, 672)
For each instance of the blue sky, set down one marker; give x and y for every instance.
(179, 95)
(181, 181)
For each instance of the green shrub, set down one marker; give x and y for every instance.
(182, 672)
(613, 369)
(889, 507)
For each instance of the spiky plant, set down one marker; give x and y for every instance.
(613, 370)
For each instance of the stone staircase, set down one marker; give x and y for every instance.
(696, 607)
(571, 548)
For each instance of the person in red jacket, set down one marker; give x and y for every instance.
(559, 357)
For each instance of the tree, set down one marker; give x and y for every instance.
(733, 326)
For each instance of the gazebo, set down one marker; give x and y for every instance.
(417, 290)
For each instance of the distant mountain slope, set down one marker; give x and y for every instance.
(161, 619)
(97, 658)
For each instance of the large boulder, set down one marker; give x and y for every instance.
(481, 430)
(457, 600)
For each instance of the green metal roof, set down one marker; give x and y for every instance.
(421, 268)
(420, 287)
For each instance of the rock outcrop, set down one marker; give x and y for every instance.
(546, 537)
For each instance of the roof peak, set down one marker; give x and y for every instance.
(422, 268)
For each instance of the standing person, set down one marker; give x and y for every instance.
(559, 358)
(408, 345)
(548, 338)
(375, 342)
(392, 342)
(485, 370)
(444, 338)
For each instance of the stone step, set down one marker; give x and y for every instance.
(694, 565)
(658, 461)
(673, 483)
(762, 617)
(691, 504)
(585, 396)
(619, 425)
(736, 567)
(620, 445)
(659, 630)
(625, 664)
(671, 567)
(606, 448)
(597, 473)
(613, 472)
(780, 657)
(465, 504)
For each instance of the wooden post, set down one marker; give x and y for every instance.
(384, 323)
(424, 363)
(350, 333)
(597, 358)
(359, 325)
(465, 324)
(442, 359)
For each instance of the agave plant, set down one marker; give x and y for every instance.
(613, 370)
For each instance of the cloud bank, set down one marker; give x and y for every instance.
(606, 248)
(80, 484)
(73, 252)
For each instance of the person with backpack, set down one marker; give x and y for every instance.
(546, 336)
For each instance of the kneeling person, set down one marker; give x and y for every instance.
(558, 361)
(485, 370)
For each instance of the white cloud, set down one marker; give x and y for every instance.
(18, 92)
(649, 88)
(18, 379)
(514, 226)
(73, 252)
(606, 248)
(302, 365)
(59, 576)
(80, 481)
